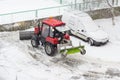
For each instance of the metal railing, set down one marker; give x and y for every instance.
(32, 14)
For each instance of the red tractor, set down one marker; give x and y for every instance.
(53, 35)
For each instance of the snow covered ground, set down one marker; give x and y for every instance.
(20, 61)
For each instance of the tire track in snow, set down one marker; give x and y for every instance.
(75, 65)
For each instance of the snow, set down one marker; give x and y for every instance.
(21, 10)
(110, 51)
(11, 10)
(20, 61)
(113, 31)
(9, 6)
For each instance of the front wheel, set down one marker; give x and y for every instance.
(50, 49)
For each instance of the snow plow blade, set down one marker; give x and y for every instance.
(73, 50)
(25, 35)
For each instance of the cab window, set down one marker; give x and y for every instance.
(47, 31)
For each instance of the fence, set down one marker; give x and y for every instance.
(47, 12)
(84, 1)
(32, 14)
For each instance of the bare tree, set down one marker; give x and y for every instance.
(116, 2)
(111, 5)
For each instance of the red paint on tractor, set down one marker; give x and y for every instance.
(53, 22)
(36, 30)
(66, 36)
(52, 40)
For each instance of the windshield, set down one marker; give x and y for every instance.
(62, 28)
(89, 23)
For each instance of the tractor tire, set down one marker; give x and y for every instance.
(50, 49)
(35, 41)
(83, 51)
(25, 35)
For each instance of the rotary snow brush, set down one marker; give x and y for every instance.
(74, 50)
(68, 48)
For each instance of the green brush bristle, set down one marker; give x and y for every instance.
(72, 50)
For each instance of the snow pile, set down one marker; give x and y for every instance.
(112, 30)
(110, 51)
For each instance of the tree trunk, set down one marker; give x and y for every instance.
(112, 10)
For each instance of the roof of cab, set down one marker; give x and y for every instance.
(53, 22)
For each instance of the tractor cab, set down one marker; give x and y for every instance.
(53, 29)
(52, 35)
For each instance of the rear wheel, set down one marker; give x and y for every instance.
(35, 41)
(50, 49)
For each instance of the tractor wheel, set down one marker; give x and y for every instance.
(50, 49)
(35, 41)
(83, 51)
(90, 41)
